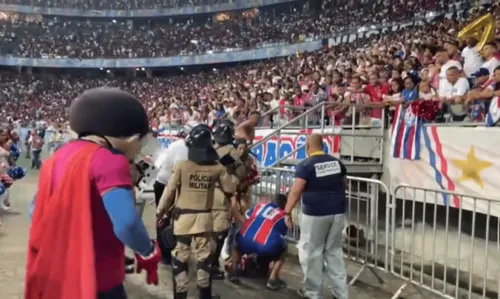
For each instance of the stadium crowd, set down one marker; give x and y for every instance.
(159, 4)
(35, 36)
(416, 62)
(116, 5)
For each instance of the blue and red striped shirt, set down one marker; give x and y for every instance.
(265, 224)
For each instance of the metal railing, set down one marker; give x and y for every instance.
(353, 129)
(363, 195)
(451, 252)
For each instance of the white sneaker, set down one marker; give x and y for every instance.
(5, 205)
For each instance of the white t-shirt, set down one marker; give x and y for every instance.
(273, 104)
(491, 65)
(177, 151)
(443, 82)
(460, 88)
(472, 60)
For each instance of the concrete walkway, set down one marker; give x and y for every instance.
(14, 236)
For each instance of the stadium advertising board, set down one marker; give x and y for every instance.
(267, 152)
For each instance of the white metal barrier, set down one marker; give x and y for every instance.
(363, 230)
(451, 252)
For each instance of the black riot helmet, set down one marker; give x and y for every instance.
(199, 137)
(224, 133)
(200, 147)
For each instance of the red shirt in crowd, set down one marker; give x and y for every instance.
(376, 92)
(300, 100)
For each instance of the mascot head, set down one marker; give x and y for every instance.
(111, 117)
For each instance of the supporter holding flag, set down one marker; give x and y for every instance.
(474, 99)
(407, 126)
(491, 92)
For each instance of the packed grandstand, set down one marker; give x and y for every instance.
(407, 60)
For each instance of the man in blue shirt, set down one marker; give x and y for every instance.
(321, 181)
(263, 234)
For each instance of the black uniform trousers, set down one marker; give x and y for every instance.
(166, 253)
(115, 293)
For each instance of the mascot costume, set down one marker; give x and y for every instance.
(84, 212)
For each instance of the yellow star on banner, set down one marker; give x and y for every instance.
(471, 167)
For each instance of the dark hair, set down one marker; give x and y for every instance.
(280, 199)
(491, 44)
(255, 113)
(400, 83)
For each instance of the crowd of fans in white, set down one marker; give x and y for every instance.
(416, 62)
(32, 36)
(117, 5)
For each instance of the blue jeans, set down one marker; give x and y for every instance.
(231, 235)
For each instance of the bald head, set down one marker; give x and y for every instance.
(314, 143)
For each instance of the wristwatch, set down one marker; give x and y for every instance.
(288, 214)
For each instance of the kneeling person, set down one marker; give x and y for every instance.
(262, 234)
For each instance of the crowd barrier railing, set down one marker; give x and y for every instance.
(451, 252)
(363, 234)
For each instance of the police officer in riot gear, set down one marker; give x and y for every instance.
(230, 158)
(194, 181)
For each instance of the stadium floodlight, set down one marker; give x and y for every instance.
(193, 41)
(143, 69)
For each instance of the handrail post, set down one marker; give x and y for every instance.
(353, 125)
(278, 145)
(322, 119)
(275, 132)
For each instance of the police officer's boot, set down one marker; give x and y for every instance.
(182, 295)
(215, 270)
(217, 273)
(206, 293)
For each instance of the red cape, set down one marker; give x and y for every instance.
(61, 260)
